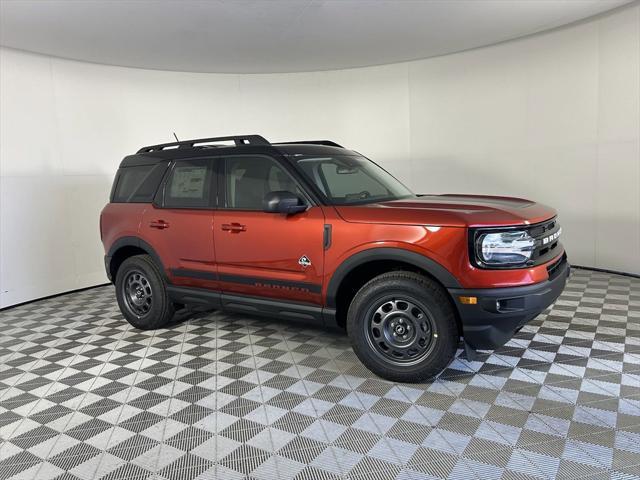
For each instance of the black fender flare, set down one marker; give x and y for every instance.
(423, 262)
(131, 241)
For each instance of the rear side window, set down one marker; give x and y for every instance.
(190, 185)
(138, 184)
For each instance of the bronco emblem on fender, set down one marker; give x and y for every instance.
(304, 261)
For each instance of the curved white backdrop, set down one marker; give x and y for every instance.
(553, 117)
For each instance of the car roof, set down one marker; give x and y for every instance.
(248, 144)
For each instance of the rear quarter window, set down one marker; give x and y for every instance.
(138, 184)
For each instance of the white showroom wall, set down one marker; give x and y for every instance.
(553, 117)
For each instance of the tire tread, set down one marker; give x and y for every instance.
(436, 297)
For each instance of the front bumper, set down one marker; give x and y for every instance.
(500, 312)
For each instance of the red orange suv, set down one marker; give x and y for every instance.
(315, 232)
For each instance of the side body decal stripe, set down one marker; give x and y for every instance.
(245, 280)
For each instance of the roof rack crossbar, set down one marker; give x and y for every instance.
(237, 139)
(328, 143)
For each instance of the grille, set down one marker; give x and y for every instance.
(547, 237)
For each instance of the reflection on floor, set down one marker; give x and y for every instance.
(84, 395)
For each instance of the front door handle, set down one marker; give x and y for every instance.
(233, 227)
(159, 224)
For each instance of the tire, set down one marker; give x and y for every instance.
(402, 327)
(142, 293)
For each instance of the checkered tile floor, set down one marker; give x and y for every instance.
(84, 395)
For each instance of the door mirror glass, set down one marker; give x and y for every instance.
(283, 202)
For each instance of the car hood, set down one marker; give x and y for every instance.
(450, 210)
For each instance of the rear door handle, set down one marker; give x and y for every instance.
(159, 224)
(233, 227)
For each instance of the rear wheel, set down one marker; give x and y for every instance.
(402, 327)
(142, 294)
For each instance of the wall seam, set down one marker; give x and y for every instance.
(638, 140)
(596, 213)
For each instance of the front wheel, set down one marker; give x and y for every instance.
(402, 327)
(142, 294)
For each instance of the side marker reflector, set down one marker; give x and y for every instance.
(468, 300)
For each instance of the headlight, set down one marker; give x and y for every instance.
(512, 247)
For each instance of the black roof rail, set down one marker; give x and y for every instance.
(238, 139)
(328, 143)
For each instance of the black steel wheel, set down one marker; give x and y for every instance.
(138, 293)
(400, 330)
(142, 293)
(402, 326)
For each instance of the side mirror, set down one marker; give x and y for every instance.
(283, 202)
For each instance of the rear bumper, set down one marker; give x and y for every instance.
(500, 312)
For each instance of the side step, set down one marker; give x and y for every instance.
(201, 299)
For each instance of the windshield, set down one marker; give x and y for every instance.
(351, 179)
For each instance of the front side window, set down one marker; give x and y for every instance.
(189, 185)
(352, 179)
(249, 179)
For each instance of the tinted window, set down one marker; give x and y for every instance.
(249, 179)
(189, 185)
(138, 184)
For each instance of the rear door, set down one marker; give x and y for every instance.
(179, 225)
(266, 254)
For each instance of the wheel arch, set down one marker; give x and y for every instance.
(126, 247)
(357, 269)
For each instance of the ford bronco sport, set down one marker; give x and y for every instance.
(313, 231)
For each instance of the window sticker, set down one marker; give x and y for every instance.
(188, 182)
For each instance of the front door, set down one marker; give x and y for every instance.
(266, 254)
(180, 228)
